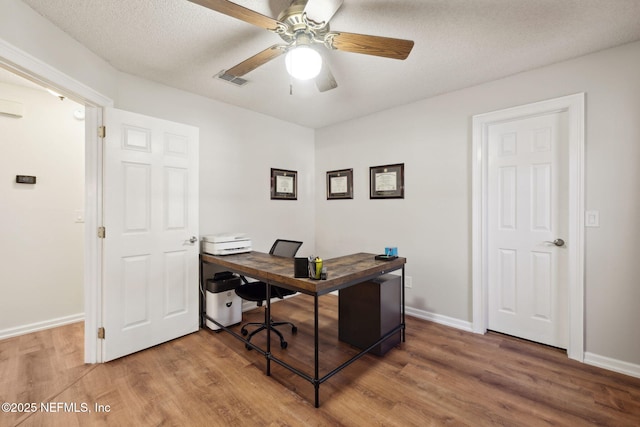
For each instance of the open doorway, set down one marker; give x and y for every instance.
(22, 64)
(42, 223)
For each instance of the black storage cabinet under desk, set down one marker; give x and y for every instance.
(369, 310)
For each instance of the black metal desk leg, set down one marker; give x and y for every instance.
(267, 319)
(402, 333)
(202, 294)
(316, 378)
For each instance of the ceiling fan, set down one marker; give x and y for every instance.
(304, 27)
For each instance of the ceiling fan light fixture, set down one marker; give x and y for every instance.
(303, 62)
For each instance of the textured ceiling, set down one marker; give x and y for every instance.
(458, 43)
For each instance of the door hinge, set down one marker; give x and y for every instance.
(102, 232)
(101, 333)
(102, 131)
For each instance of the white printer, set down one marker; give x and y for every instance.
(226, 244)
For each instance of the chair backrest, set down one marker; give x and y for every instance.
(285, 248)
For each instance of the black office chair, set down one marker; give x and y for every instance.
(257, 291)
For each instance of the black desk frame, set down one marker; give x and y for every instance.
(316, 380)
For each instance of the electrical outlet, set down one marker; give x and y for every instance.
(408, 282)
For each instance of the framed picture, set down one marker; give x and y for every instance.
(340, 184)
(386, 182)
(284, 184)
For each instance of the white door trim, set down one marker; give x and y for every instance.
(21, 63)
(574, 106)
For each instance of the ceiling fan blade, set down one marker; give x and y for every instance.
(256, 60)
(325, 80)
(370, 45)
(239, 12)
(320, 11)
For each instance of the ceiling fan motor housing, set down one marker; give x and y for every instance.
(301, 29)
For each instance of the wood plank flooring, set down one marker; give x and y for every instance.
(439, 376)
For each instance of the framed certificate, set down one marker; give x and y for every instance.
(340, 184)
(386, 182)
(284, 184)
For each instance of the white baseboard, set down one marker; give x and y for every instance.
(439, 318)
(40, 326)
(612, 364)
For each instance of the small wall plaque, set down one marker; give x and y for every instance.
(340, 184)
(25, 179)
(386, 182)
(284, 184)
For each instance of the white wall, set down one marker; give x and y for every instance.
(432, 225)
(41, 245)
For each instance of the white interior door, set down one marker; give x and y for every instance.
(150, 281)
(527, 210)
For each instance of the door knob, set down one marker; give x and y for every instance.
(557, 242)
(193, 239)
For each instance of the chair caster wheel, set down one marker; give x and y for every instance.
(294, 329)
(248, 347)
(244, 332)
(283, 344)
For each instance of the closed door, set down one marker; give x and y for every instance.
(528, 227)
(150, 281)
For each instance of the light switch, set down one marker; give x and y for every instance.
(78, 216)
(592, 219)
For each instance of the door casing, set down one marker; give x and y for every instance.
(574, 106)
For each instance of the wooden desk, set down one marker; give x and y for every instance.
(342, 272)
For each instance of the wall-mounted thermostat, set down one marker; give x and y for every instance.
(25, 179)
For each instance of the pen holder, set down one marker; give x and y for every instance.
(315, 268)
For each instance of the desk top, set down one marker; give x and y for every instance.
(341, 271)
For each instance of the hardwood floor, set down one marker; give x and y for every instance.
(439, 376)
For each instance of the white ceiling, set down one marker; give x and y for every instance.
(458, 43)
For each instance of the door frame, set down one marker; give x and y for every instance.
(573, 105)
(31, 68)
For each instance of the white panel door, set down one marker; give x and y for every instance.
(528, 209)
(150, 276)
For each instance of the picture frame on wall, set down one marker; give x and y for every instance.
(386, 182)
(284, 184)
(340, 184)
